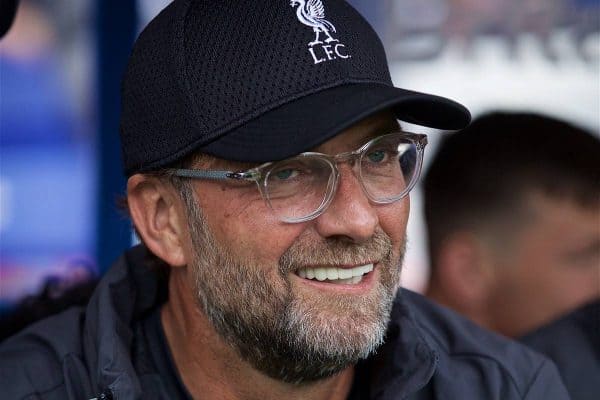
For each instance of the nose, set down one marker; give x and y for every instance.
(350, 214)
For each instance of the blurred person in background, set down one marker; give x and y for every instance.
(512, 209)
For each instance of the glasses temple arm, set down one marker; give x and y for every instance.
(201, 174)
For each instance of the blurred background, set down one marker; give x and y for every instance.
(60, 67)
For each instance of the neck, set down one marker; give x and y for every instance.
(474, 308)
(211, 369)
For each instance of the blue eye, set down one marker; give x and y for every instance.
(284, 174)
(376, 156)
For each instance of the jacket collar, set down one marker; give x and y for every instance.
(126, 293)
(406, 362)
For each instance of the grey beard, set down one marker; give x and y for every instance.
(277, 332)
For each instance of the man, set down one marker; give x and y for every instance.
(268, 179)
(513, 216)
(512, 209)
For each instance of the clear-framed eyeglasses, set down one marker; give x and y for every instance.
(301, 188)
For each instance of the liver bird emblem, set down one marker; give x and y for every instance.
(312, 13)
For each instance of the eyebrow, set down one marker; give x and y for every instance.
(387, 126)
(379, 128)
(394, 124)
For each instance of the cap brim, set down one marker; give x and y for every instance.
(304, 123)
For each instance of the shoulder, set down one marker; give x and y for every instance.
(455, 336)
(35, 360)
(573, 343)
(574, 333)
(469, 356)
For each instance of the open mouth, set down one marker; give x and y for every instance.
(341, 276)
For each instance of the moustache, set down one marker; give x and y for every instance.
(310, 252)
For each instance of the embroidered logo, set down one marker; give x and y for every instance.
(312, 14)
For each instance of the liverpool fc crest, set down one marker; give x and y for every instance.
(312, 14)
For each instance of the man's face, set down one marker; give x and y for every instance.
(551, 266)
(247, 266)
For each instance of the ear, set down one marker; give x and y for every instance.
(157, 216)
(463, 274)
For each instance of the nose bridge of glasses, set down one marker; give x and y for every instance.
(349, 157)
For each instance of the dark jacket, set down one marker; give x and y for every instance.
(430, 352)
(573, 343)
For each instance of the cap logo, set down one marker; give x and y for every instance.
(312, 14)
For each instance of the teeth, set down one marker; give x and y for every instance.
(321, 274)
(345, 276)
(332, 274)
(344, 273)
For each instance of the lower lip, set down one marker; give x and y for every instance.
(363, 286)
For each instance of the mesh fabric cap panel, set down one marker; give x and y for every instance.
(203, 68)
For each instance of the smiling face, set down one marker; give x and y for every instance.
(300, 301)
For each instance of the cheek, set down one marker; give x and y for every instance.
(250, 232)
(571, 286)
(393, 219)
(548, 288)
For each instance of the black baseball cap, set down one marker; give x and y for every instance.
(258, 81)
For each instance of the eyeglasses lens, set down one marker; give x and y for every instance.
(299, 187)
(388, 167)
